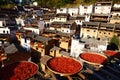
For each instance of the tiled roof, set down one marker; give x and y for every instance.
(65, 53)
(55, 48)
(42, 39)
(44, 59)
(4, 35)
(50, 31)
(31, 35)
(95, 14)
(107, 25)
(64, 34)
(10, 49)
(91, 23)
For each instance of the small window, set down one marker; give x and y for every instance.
(94, 30)
(88, 30)
(41, 50)
(99, 32)
(85, 7)
(3, 31)
(104, 33)
(51, 51)
(7, 32)
(109, 33)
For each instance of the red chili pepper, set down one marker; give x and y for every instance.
(64, 65)
(110, 52)
(18, 71)
(95, 58)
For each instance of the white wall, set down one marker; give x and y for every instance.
(87, 18)
(58, 19)
(4, 30)
(20, 21)
(61, 10)
(26, 44)
(102, 9)
(76, 48)
(116, 12)
(116, 5)
(79, 22)
(36, 30)
(1, 23)
(85, 9)
(65, 30)
(73, 11)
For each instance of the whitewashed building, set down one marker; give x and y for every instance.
(115, 14)
(62, 10)
(84, 45)
(25, 43)
(115, 10)
(4, 30)
(76, 47)
(61, 17)
(20, 21)
(103, 7)
(73, 11)
(68, 27)
(83, 9)
(2, 23)
(32, 29)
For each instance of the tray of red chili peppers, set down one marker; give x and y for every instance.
(93, 58)
(112, 53)
(18, 71)
(64, 65)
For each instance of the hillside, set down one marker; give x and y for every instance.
(53, 3)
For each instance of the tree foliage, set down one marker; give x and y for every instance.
(56, 3)
(114, 43)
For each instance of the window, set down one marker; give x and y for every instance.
(99, 32)
(41, 50)
(94, 30)
(85, 7)
(104, 33)
(3, 31)
(88, 30)
(61, 9)
(7, 32)
(109, 33)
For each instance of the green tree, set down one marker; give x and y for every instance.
(115, 40)
(114, 43)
